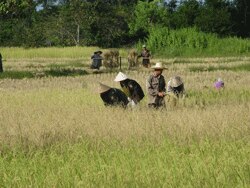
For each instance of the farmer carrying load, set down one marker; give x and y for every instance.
(131, 88)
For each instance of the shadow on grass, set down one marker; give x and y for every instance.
(244, 67)
(52, 72)
(16, 74)
(65, 72)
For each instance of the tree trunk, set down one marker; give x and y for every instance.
(78, 34)
(1, 63)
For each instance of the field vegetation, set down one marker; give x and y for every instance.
(56, 132)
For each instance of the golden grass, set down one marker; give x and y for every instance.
(56, 132)
(49, 110)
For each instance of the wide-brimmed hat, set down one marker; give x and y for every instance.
(120, 77)
(98, 52)
(144, 46)
(103, 88)
(176, 81)
(158, 65)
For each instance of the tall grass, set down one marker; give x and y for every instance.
(56, 132)
(190, 42)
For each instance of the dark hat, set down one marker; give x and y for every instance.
(98, 52)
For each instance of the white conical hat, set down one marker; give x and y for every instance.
(103, 88)
(158, 65)
(120, 77)
(176, 81)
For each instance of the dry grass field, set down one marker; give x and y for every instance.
(56, 132)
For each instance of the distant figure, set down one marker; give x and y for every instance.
(1, 63)
(219, 84)
(96, 60)
(112, 96)
(145, 54)
(156, 86)
(131, 88)
(175, 86)
(132, 58)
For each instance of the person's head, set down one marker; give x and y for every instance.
(144, 46)
(175, 81)
(121, 77)
(158, 68)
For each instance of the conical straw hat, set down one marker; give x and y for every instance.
(120, 77)
(103, 88)
(176, 81)
(158, 65)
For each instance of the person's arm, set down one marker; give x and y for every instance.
(151, 91)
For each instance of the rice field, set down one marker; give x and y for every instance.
(56, 132)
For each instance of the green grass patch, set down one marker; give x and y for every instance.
(209, 97)
(16, 74)
(54, 72)
(57, 72)
(111, 164)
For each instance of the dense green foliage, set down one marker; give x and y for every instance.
(189, 42)
(114, 23)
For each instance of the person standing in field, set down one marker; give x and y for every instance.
(219, 84)
(145, 54)
(156, 87)
(96, 60)
(131, 88)
(112, 96)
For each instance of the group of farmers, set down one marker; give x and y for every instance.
(131, 92)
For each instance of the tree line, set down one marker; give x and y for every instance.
(114, 23)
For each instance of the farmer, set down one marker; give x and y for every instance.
(131, 88)
(112, 96)
(156, 87)
(219, 84)
(145, 54)
(96, 60)
(175, 86)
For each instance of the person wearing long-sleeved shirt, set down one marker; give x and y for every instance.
(96, 60)
(156, 87)
(175, 86)
(130, 87)
(112, 96)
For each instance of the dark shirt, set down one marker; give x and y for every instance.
(135, 91)
(97, 61)
(114, 97)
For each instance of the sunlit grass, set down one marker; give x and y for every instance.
(56, 132)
